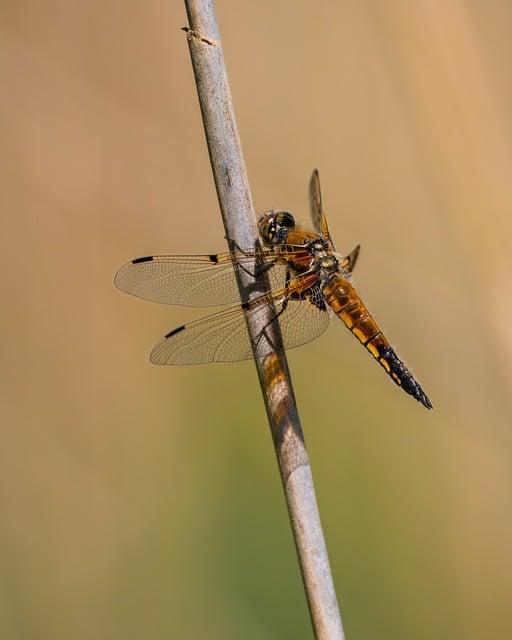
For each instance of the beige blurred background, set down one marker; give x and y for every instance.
(144, 502)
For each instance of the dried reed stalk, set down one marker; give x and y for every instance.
(235, 202)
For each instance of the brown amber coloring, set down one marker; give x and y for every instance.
(346, 303)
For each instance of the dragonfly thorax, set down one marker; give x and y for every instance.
(318, 246)
(324, 261)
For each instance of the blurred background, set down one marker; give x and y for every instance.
(138, 501)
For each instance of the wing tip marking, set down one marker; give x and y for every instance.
(174, 331)
(144, 259)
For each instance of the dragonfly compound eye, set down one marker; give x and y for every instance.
(274, 226)
(284, 219)
(280, 224)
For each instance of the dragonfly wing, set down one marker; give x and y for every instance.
(316, 208)
(194, 280)
(349, 262)
(222, 337)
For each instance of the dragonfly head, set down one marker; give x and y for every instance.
(274, 226)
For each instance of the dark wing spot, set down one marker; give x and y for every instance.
(316, 297)
(175, 331)
(145, 259)
(214, 258)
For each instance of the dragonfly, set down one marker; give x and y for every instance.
(308, 282)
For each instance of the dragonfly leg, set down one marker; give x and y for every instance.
(284, 305)
(234, 245)
(259, 272)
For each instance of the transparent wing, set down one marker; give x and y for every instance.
(301, 312)
(349, 262)
(195, 280)
(316, 208)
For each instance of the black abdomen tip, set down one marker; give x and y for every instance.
(401, 375)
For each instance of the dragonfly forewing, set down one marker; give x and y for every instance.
(196, 280)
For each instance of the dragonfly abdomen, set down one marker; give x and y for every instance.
(348, 306)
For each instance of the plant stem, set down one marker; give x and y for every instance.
(235, 202)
